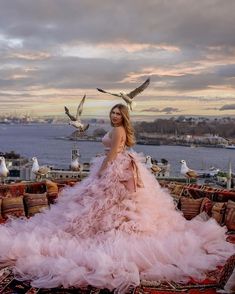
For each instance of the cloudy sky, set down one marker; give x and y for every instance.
(54, 51)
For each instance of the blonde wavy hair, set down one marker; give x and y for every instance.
(126, 122)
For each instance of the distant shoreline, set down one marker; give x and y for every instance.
(98, 139)
(155, 140)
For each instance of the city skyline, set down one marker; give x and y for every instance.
(53, 52)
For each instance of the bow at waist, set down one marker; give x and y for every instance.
(136, 173)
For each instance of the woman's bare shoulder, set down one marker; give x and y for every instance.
(118, 131)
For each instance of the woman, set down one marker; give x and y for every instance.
(113, 229)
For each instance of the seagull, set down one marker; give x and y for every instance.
(39, 171)
(187, 172)
(155, 169)
(75, 165)
(3, 169)
(75, 121)
(128, 98)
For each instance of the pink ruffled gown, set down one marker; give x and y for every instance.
(111, 232)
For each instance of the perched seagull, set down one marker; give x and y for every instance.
(155, 169)
(3, 169)
(75, 165)
(39, 171)
(128, 98)
(187, 172)
(75, 121)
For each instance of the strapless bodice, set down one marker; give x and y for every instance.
(106, 140)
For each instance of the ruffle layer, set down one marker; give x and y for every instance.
(101, 233)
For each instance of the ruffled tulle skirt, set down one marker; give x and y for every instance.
(110, 232)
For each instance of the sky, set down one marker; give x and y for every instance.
(52, 52)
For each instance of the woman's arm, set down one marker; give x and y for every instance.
(117, 135)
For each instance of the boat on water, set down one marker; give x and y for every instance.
(206, 173)
(230, 147)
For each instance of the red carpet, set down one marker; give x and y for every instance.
(215, 280)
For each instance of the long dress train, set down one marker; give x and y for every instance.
(111, 232)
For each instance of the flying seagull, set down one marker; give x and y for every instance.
(75, 121)
(128, 98)
(187, 172)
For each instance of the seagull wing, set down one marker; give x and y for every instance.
(103, 91)
(191, 174)
(80, 107)
(140, 89)
(73, 118)
(43, 170)
(86, 127)
(9, 164)
(156, 168)
(126, 99)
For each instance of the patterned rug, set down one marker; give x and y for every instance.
(215, 280)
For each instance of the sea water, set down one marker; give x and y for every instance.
(50, 144)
